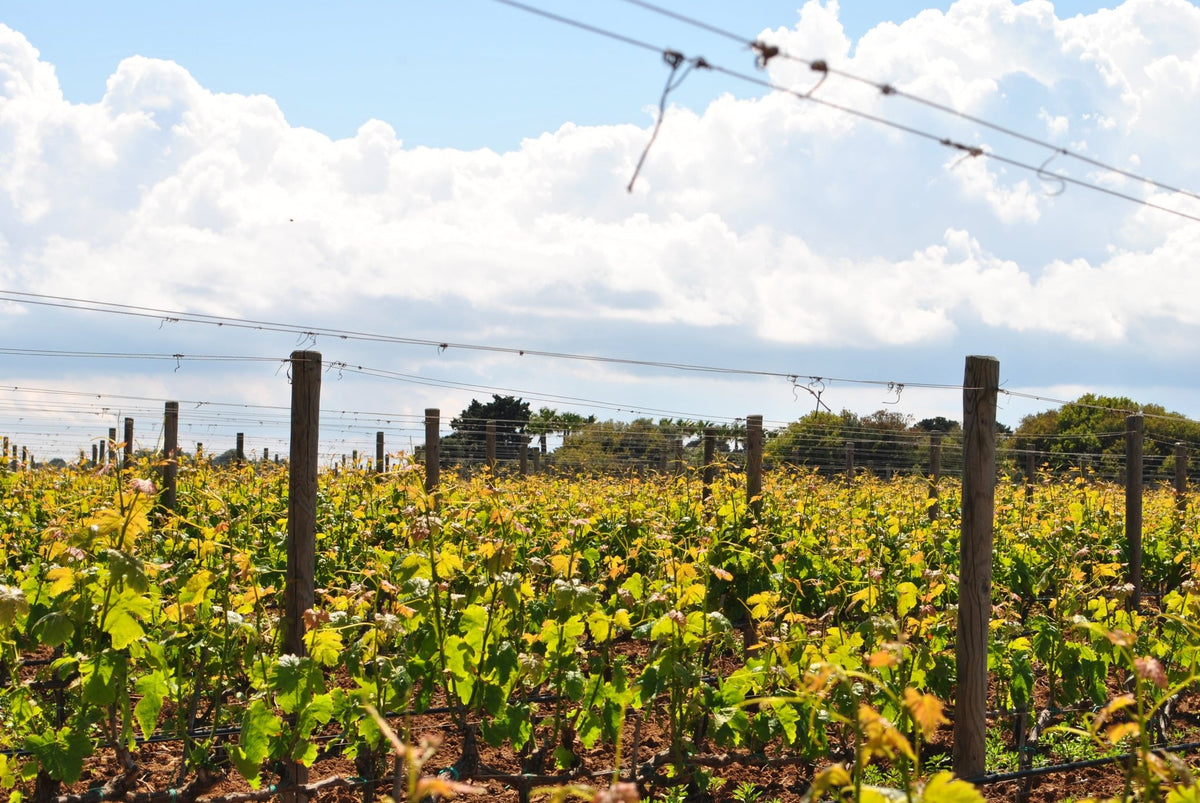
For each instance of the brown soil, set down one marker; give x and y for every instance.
(158, 768)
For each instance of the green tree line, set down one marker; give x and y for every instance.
(1088, 430)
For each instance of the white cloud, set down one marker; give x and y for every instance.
(764, 216)
(1057, 125)
(1012, 204)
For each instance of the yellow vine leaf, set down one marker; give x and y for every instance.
(926, 710)
(883, 658)
(945, 788)
(61, 579)
(561, 564)
(1119, 731)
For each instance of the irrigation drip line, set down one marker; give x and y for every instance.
(1054, 769)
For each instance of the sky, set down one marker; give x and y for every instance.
(456, 173)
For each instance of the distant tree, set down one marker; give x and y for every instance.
(938, 424)
(1093, 426)
(469, 439)
(610, 445)
(542, 423)
(570, 423)
(882, 441)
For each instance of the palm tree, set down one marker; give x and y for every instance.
(541, 423)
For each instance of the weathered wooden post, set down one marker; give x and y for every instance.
(490, 439)
(302, 496)
(299, 593)
(1181, 483)
(537, 461)
(302, 493)
(981, 383)
(112, 444)
(127, 461)
(379, 452)
(1030, 475)
(849, 461)
(1134, 430)
(95, 462)
(754, 458)
(170, 469)
(266, 454)
(523, 457)
(935, 472)
(240, 449)
(433, 418)
(710, 468)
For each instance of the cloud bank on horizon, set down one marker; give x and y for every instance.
(779, 222)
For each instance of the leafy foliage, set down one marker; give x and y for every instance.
(543, 610)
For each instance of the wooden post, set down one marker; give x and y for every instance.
(266, 454)
(1181, 483)
(678, 457)
(710, 468)
(754, 456)
(935, 472)
(1030, 475)
(299, 594)
(127, 462)
(1134, 429)
(433, 417)
(240, 449)
(537, 461)
(94, 455)
(981, 382)
(849, 461)
(299, 591)
(490, 437)
(170, 468)
(112, 444)
(302, 497)
(379, 452)
(524, 458)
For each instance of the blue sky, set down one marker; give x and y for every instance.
(456, 172)
(464, 74)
